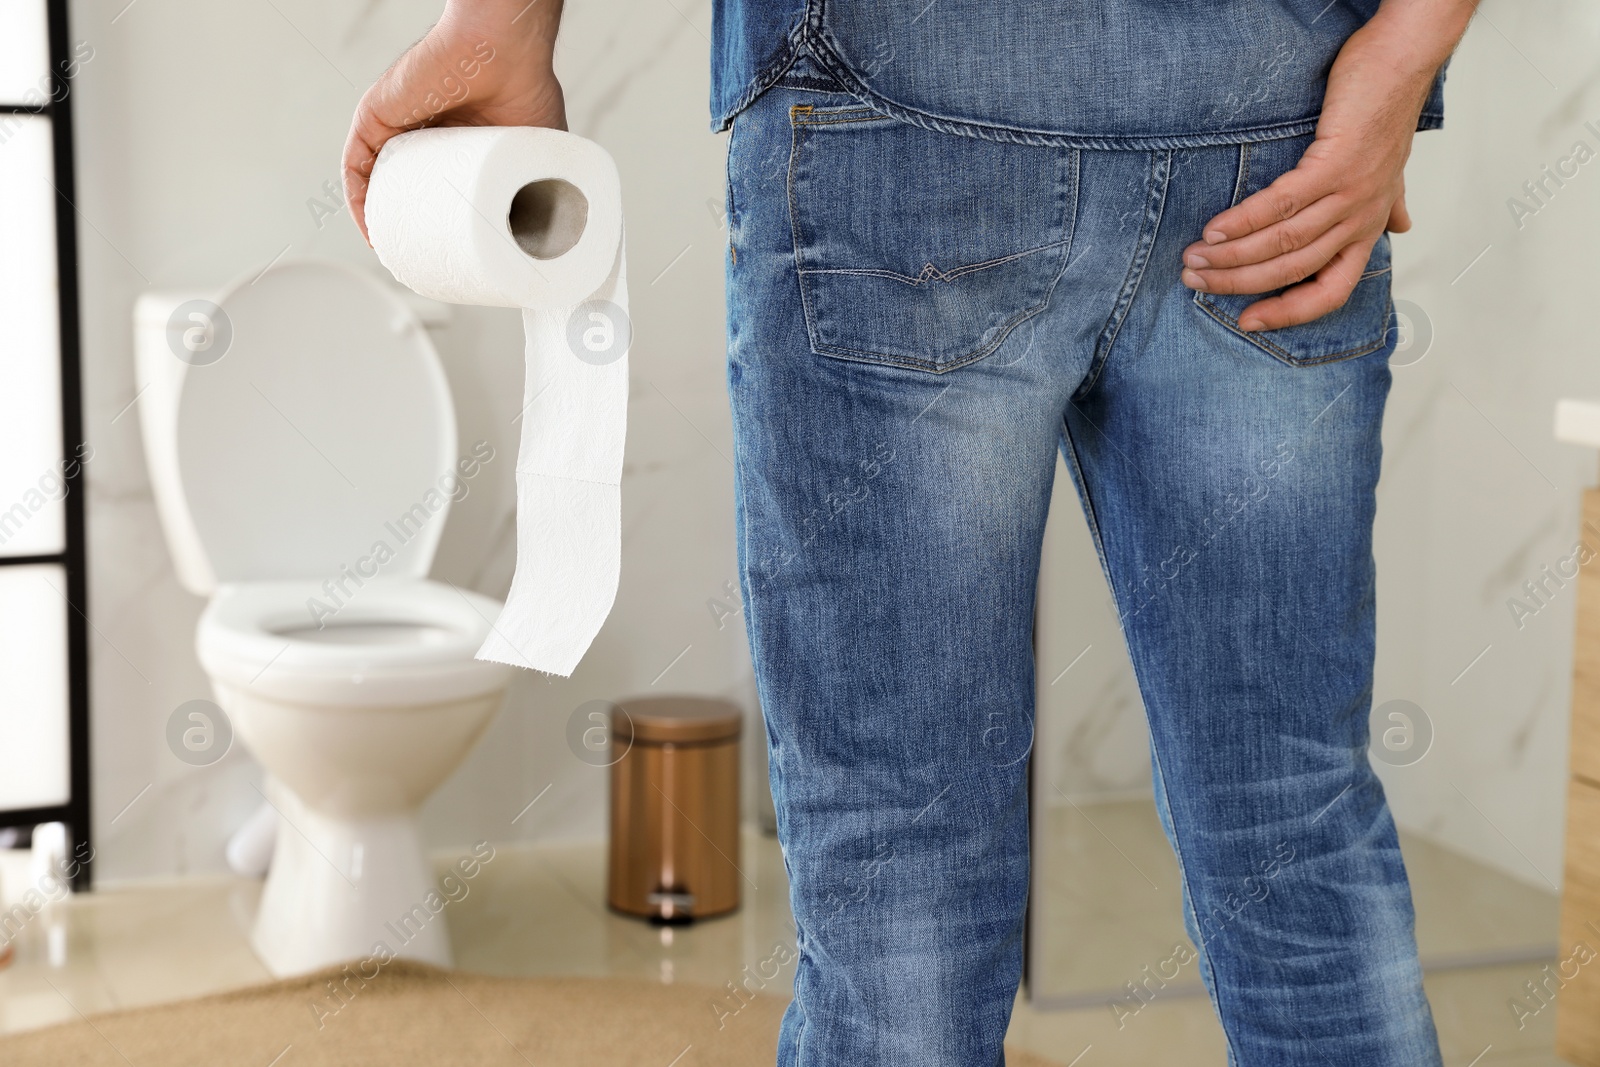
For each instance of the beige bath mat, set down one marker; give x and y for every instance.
(411, 1014)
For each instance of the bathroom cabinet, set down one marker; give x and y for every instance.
(1577, 985)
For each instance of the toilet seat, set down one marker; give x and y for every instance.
(393, 642)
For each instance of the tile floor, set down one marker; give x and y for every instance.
(536, 910)
(1126, 913)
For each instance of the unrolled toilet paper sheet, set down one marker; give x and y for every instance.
(445, 216)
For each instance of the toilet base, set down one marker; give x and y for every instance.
(343, 890)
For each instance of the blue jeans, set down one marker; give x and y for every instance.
(918, 321)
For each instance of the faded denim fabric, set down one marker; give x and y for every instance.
(1076, 73)
(918, 323)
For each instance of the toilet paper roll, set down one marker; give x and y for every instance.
(531, 218)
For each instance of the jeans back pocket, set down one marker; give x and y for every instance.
(1360, 327)
(917, 248)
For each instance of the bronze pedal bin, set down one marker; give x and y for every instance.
(674, 851)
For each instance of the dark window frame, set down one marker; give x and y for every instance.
(73, 559)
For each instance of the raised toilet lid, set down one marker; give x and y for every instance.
(322, 432)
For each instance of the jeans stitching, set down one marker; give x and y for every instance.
(794, 218)
(827, 57)
(799, 993)
(747, 589)
(1150, 226)
(1089, 512)
(858, 355)
(853, 113)
(836, 122)
(887, 359)
(732, 206)
(874, 117)
(930, 272)
(1071, 219)
(1283, 355)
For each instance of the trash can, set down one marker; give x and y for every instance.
(674, 853)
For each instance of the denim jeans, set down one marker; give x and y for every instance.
(917, 322)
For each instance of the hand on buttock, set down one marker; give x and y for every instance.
(1313, 229)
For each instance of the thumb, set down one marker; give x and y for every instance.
(1399, 217)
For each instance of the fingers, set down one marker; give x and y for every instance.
(367, 137)
(356, 169)
(386, 109)
(1313, 299)
(1292, 193)
(1280, 240)
(1277, 272)
(1299, 227)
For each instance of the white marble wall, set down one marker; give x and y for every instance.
(1476, 495)
(206, 134)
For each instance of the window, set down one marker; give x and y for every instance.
(44, 760)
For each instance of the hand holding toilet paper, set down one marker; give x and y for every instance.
(531, 218)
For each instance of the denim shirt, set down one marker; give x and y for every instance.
(1136, 74)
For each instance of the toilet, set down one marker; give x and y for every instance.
(301, 444)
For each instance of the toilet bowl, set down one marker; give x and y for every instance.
(301, 444)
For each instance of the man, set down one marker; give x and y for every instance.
(964, 235)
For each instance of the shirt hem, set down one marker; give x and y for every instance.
(809, 36)
(764, 80)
